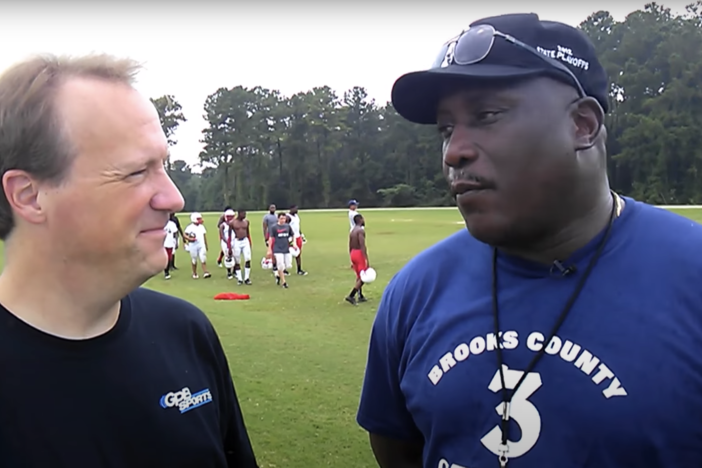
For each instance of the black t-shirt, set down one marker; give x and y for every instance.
(281, 234)
(153, 392)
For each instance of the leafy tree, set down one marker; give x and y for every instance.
(170, 114)
(318, 148)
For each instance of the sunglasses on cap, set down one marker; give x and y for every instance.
(474, 45)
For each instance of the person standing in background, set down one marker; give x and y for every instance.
(358, 253)
(169, 244)
(225, 217)
(353, 206)
(226, 234)
(279, 241)
(270, 219)
(178, 237)
(241, 246)
(297, 237)
(196, 235)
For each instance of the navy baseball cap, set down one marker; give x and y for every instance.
(353, 202)
(507, 47)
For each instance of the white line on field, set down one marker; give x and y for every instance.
(424, 208)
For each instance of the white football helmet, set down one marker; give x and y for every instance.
(368, 275)
(266, 263)
(294, 251)
(229, 262)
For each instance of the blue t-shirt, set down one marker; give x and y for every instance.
(619, 386)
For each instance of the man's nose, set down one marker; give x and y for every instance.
(168, 197)
(459, 149)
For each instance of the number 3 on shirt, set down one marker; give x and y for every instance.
(522, 411)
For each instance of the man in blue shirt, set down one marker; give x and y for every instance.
(563, 327)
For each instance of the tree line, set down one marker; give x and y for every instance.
(319, 149)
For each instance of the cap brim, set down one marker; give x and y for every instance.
(416, 95)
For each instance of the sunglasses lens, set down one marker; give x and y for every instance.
(474, 45)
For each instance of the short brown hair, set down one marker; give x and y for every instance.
(32, 137)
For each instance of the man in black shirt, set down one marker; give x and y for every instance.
(96, 371)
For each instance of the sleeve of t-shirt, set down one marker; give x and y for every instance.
(382, 409)
(271, 232)
(237, 445)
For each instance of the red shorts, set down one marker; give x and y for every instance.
(298, 243)
(169, 252)
(359, 262)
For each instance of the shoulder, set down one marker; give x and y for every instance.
(154, 302)
(459, 255)
(164, 314)
(666, 229)
(663, 238)
(445, 254)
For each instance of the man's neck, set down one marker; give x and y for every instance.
(68, 303)
(572, 236)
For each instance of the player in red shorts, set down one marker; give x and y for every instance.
(359, 258)
(298, 236)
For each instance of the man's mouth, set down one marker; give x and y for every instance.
(468, 184)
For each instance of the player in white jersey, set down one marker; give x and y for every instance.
(178, 236)
(353, 206)
(169, 243)
(196, 235)
(297, 236)
(226, 217)
(226, 240)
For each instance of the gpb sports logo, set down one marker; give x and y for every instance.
(184, 400)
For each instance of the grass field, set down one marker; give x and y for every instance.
(297, 356)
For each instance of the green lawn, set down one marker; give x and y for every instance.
(297, 356)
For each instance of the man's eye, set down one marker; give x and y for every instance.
(137, 173)
(445, 130)
(487, 116)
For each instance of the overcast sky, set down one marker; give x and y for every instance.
(190, 51)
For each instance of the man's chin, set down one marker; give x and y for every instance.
(486, 229)
(153, 264)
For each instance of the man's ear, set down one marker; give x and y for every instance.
(588, 118)
(22, 193)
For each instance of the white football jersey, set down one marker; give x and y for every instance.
(352, 213)
(197, 230)
(295, 224)
(171, 230)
